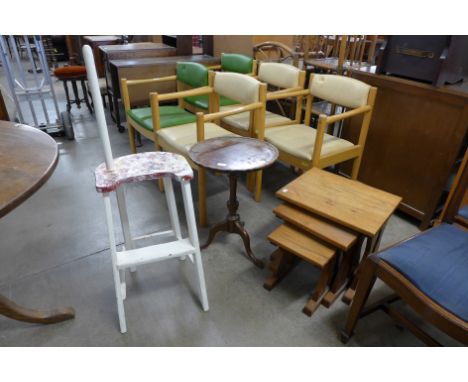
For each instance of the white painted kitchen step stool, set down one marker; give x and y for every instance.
(113, 174)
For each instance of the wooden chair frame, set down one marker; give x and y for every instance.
(258, 109)
(275, 96)
(132, 125)
(194, 109)
(352, 153)
(347, 52)
(283, 51)
(375, 267)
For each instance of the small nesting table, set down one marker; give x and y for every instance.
(233, 156)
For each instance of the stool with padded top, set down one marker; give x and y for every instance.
(74, 74)
(113, 174)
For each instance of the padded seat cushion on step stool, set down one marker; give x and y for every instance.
(202, 101)
(168, 116)
(136, 168)
(299, 140)
(436, 262)
(66, 72)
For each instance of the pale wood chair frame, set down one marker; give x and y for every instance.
(273, 96)
(194, 109)
(258, 108)
(132, 125)
(322, 161)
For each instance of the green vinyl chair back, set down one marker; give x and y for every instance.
(192, 74)
(238, 63)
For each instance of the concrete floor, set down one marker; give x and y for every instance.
(54, 253)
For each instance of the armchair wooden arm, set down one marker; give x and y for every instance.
(237, 110)
(285, 93)
(182, 94)
(214, 67)
(149, 80)
(202, 118)
(347, 114)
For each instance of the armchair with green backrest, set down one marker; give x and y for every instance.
(247, 91)
(188, 75)
(230, 62)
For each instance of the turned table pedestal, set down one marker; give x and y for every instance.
(233, 156)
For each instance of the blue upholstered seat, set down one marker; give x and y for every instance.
(464, 212)
(436, 262)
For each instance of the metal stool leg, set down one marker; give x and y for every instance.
(65, 86)
(85, 96)
(193, 235)
(75, 92)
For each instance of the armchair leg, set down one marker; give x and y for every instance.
(131, 137)
(202, 196)
(258, 185)
(356, 166)
(364, 287)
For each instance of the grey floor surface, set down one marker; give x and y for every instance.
(54, 252)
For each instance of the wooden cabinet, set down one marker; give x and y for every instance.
(415, 136)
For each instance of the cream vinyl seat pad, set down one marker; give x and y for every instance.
(299, 140)
(242, 120)
(181, 138)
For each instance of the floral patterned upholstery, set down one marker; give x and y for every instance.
(139, 167)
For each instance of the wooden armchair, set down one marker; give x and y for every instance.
(285, 79)
(428, 272)
(304, 147)
(237, 63)
(339, 53)
(275, 51)
(179, 139)
(188, 75)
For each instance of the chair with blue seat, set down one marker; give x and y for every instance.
(188, 75)
(428, 272)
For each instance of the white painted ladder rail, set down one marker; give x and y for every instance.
(131, 257)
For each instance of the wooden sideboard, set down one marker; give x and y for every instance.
(95, 42)
(414, 140)
(142, 68)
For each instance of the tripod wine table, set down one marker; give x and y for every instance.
(233, 156)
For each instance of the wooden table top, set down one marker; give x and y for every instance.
(348, 202)
(148, 61)
(101, 38)
(233, 154)
(28, 157)
(134, 46)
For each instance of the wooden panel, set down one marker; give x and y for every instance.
(415, 135)
(307, 248)
(136, 50)
(152, 68)
(95, 42)
(319, 227)
(353, 204)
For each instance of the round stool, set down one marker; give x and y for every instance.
(74, 74)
